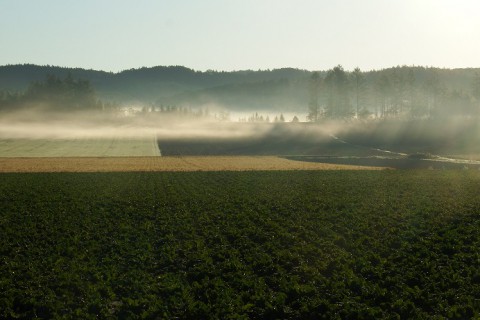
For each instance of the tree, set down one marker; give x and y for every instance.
(67, 94)
(476, 90)
(383, 93)
(411, 92)
(9, 100)
(313, 106)
(398, 93)
(359, 89)
(476, 86)
(338, 105)
(434, 90)
(295, 119)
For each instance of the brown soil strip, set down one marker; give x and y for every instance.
(194, 163)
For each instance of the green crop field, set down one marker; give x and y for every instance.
(261, 245)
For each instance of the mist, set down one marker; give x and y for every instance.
(398, 113)
(455, 135)
(84, 125)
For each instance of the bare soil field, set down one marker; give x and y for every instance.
(185, 163)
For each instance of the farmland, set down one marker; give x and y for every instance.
(277, 244)
(147, 164)
(300, 142)
(79, 147)
(240, 160)
(252, 223)
(356, 145)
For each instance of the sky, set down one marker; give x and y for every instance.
(115, 35)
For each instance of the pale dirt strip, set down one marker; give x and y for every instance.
(186, 163)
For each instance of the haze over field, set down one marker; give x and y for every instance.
(351, 92)
(240, 159)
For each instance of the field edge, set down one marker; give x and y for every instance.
(164, 163)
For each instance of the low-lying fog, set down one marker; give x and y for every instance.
(43, 124)
(455, 136)
(48, 125)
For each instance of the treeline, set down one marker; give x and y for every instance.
(54, 93)
(163, 84)
(401, 92)
(258, 118)
(413, 92)
(172, 111)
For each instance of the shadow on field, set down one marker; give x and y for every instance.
(400, 145)
(396, 163)
(266, 139)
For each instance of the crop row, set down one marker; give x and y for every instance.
(350, 245)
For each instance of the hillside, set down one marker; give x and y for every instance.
(169, 85)
(280, 89)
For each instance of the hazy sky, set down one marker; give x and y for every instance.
(115, 35)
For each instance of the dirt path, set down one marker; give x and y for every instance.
(194, 163)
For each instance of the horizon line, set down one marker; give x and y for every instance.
(231, 71)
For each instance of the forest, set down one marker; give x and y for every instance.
(397, 92)
(53, 93)
(276, 243)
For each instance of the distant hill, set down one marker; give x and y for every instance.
(280, 89)
(174, 84)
